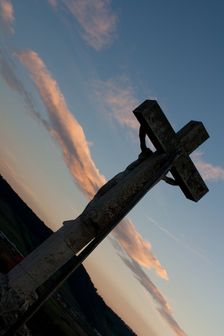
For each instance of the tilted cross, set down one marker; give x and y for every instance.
(164, 138)
(110, 204)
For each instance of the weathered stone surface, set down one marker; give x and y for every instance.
(36, 268)
(192, 135)
(11, 304)
(164, 138)
(114, 200)
(188, 178)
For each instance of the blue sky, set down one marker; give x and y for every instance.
(71, 73)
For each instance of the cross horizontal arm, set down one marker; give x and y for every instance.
(188, 178)
(191, 135)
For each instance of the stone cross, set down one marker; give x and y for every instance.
(113, 201)
(164, 138)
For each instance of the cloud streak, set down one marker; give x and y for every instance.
(53, 3)
(137, 248)
(163, 306)
(7, 14)
(208, 171)
(8, 73)
(96, 19)
(63, 127)
(178, 241)
(118, 99)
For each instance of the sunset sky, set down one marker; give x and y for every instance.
(71, 73)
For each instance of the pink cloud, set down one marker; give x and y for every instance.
(96, 19)
(208, 171)
(7, 13)
(53, 3)
(162, 305)
(137, 248)
(63, 127)
(118, 98)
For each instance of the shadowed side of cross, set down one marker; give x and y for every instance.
(164, 138)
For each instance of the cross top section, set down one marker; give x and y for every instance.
(164, 138)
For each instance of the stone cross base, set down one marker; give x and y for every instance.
(11, 305)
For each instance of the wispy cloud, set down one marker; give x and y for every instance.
(7, 14)
(96, 18)
(118, 98)
(63, 127)
(163, 307)
(137, 248)
(208, 171)
(53, 3)
(8, 73)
